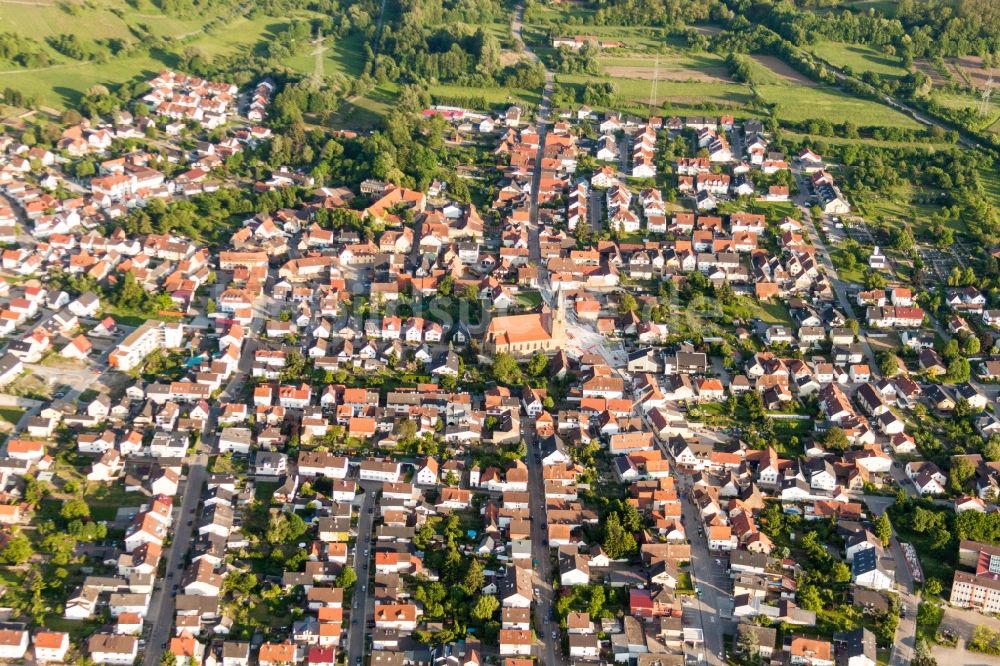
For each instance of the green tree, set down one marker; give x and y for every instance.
(749, 644)
(922, 654)
(475, 578)
(295, 365)
(446, 285)
(810, 598)
(970, 345)
(538, 364)
(888, 363)
(506, 370)
(347, 578)
(960, 475)
(18, 550)
(597, 600)
(484, 608)
(284, 528)
(991, 450)
(883, 528)
(74, 509)
(835, 439)
(932, 587)
(618, 543)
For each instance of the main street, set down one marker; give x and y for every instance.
(161, 612)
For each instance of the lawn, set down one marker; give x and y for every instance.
(366, 111)
(529, 299)
(345, 57)
(264, 490)
(11, 414)
(109, 496)
(774, 312)
(991, 184)
(859, 58)
(906, 204)
(785, 429)
(680, 66)
(855, 273)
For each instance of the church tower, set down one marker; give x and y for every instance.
(558, 329)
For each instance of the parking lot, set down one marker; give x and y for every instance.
(960, 624)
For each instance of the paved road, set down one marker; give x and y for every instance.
(542, 119)
(709, 575)
(161, 614)
(839, 286)
(906, 632)
(363, 607)
(161, 610)
(548, 651)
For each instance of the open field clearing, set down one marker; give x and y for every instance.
(98, 19)
(62, 82)
(680, 67)
(680, 93)
(972, 70)
(858, 57)
(63, 85)
(777, 70)
(798, 103)
(492, 96)
(342, 56)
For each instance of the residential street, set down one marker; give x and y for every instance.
(839, 286)
(548, 651)
(161, 613)
(710, 577)
(362, 605)
(906, 633)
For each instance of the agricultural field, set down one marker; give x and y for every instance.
(671, 95)
(706, 67)
(495, 97)
(859, 58)
(799, 103)
(774, 70)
